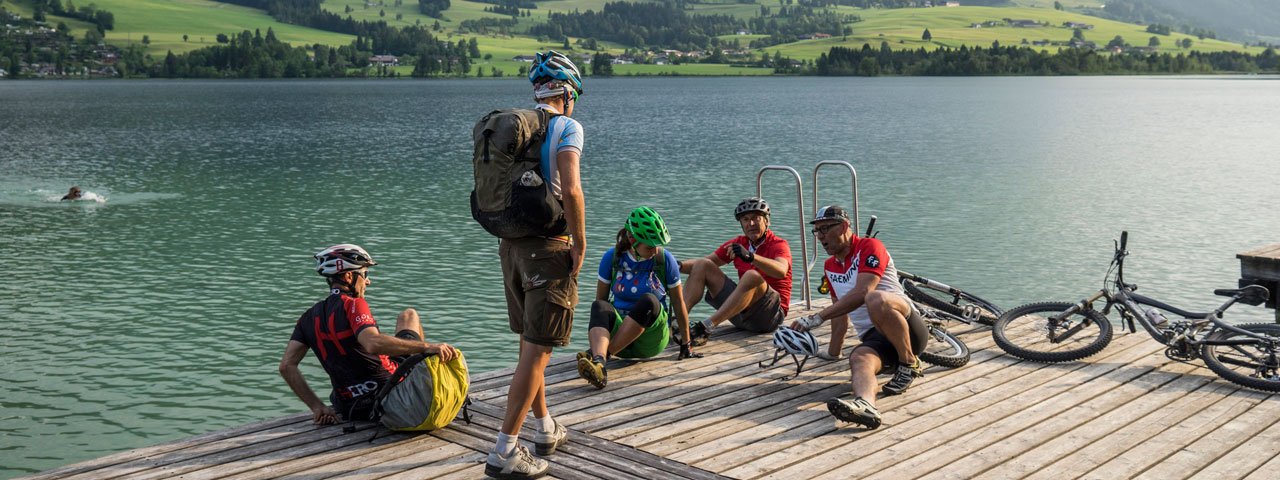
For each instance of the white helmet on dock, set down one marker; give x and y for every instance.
(795, 342)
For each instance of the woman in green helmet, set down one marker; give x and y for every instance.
(638, 289)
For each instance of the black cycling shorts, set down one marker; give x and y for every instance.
(918, 334)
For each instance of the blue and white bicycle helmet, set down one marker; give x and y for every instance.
(556, 66)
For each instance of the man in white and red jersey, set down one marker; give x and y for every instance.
(865, 290)
(343, 334)
(759, 300)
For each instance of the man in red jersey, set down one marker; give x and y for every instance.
(341, 331)
(865, 289)
(759, 300)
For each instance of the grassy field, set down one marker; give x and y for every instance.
(166, 21)
(903, 28)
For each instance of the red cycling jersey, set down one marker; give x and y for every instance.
(330, 329)
(771, 246)
(866, 255)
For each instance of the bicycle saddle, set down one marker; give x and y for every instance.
(1252, 294)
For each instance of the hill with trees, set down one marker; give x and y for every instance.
(489, 37)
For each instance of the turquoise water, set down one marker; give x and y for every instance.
(160, 309)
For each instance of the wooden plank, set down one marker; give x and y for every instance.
(643, 411)
(1078, 451)
(811, 420)
(609, 453)
(731, 415)
(1159, 445)
(105, 466)
(1111, 410)
(260, 454)
(288, 434)
(910, 414)
(1208, 448)
(568, 383)
(386, 446)
(1267, 471)
(426, 463)
(828, 454)
(1248, 457)
(1271, 251)
(999, 421)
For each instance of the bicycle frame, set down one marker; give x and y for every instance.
(1129, 304)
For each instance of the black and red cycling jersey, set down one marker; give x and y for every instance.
(330, 329)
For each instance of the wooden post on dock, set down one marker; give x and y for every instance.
(1262, 266)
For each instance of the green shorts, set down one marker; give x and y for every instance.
(649, 344)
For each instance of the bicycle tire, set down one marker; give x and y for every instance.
(947, 302)
(1263, 376)
(945, 349)
(1024, 332)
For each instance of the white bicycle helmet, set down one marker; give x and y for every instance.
(342, 258)
(555, 65)
(794, 342)
(752, 204)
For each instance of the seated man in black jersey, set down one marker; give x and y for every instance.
(341, 331)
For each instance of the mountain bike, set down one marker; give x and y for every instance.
(949, 299)
(944, 348)
(1245, 354)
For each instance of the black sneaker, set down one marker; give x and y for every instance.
(698, 334)
(903, 378)
(857, 411)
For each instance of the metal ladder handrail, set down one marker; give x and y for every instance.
(816, 205)
(804, 246)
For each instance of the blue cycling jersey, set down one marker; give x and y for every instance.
(635, 278)
(563, 133)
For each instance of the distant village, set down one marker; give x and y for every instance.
(51, 52)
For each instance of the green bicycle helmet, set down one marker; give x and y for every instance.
(648, 228)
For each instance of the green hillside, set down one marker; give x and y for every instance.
(950, 27)
(165, 22)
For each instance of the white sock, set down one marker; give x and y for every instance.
(506, 444)
(707, 323)
(546, 424)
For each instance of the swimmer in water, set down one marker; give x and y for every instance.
(73, 194)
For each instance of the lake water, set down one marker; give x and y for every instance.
(160, 311)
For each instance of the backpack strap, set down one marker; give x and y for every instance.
(540, 135)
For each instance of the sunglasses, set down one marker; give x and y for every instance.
(824, 229)
(362, 273)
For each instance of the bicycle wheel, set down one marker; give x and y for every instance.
(1251, 365)
(1027, 332)
(987, 312)
(944, 349)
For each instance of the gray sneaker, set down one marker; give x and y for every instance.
(547, 443)
(857, 411)
(520, 465)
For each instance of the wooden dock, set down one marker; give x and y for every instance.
(1127, 412)
(1262, 266)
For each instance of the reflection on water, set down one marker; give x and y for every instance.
(162, 312)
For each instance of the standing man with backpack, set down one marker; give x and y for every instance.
(528, 193)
